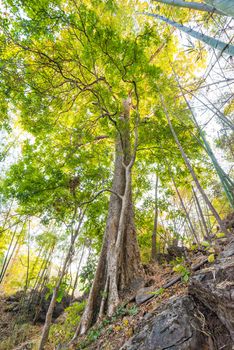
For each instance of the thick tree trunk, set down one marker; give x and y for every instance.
(119, 269)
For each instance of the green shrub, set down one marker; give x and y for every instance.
(63, 332)
(182, 269)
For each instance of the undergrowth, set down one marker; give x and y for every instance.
(19, 334)
(62, 332)
(106, 325)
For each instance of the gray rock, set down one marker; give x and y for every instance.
(175, 326)
(228, 251)
(144, 294)
(214, 288)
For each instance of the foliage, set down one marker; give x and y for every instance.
(62, 332)
(182, 269)
(62, 289)
(19, 333)
(87, 274)
(66, 68)
(159, 291)
(95, 332)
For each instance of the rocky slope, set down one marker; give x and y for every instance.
(204, 319)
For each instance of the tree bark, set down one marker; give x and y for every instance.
(119, 268)
(226, 6)
(202, 216)
(192, 5)
(212, 42)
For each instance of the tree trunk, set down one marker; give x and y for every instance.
(119, 268)
(190, 168)
(226, 181)
(226, 6)
(202, 216)
(77, 273)
(155, 229)
(49, 314)
(212, 42)
(186, 212)
(5, 262)
(192, 5)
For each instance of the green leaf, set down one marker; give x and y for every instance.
(157, 292)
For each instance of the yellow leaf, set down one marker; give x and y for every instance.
(117, 328)
(125, 322)
(211, 258)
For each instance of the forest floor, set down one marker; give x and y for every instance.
(15, 334)
(128, 321)
(116, 334)
(110, 334)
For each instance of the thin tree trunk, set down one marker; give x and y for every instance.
(155, 229)
(119, 266)
(10, 261)
(187, 162)
(6, 257)
(28, 262)
(49, 314)
(7, 262)
(202, 216)
(226, 181)
(77, 273)
(33, 290)
(192, 5)
(199, 220)
(190, 225)
(6, 219)
(212, 42)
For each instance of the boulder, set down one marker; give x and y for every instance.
(34, 305)
(214, 287)
(175, 326)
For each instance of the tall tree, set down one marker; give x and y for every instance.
(86, 94)
(119, 265)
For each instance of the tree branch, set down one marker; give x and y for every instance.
(98, 194)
